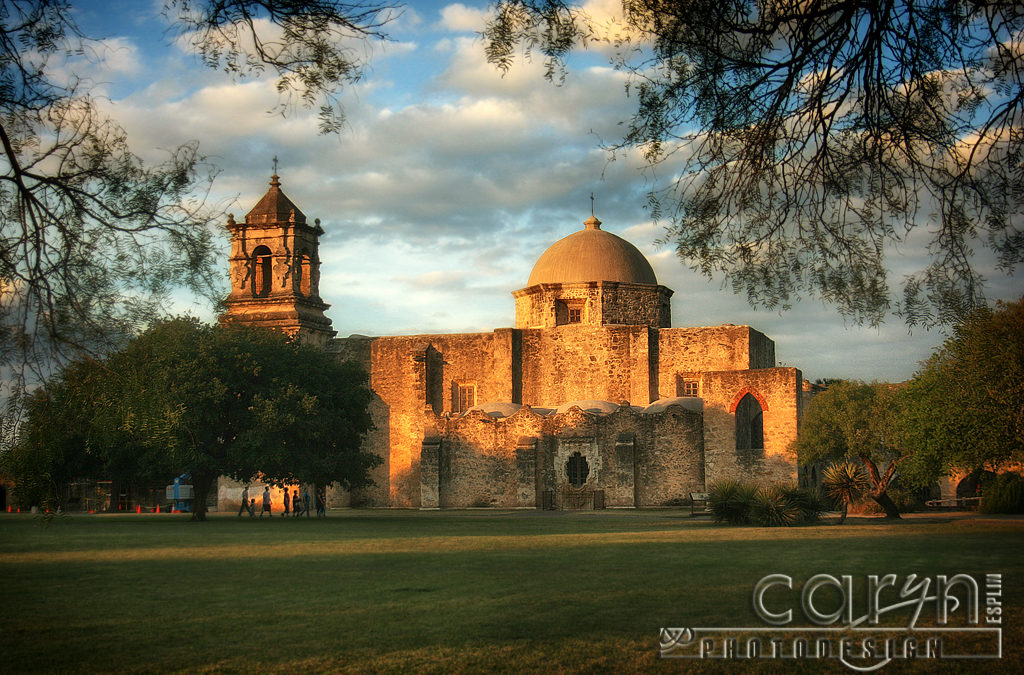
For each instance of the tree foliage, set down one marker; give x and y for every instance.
(53, 445)
(813, 138)
(91, 238)
(964, 409)
(311, 45)
(858, 421)
(209, 401)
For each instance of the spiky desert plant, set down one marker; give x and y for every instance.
(730, 501)
(808, 502)
(773, 508)
(844, 481)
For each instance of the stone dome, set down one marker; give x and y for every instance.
(592, 255)
(591, 406)
(496, 409)
(688, 402)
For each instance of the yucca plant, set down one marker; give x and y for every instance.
(771, 508)
(844, 481)
(730, 501)
(808, 502)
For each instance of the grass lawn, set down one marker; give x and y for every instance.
(462, 591)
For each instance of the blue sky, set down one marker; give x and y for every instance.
(449, 181)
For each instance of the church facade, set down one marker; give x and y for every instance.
(592, 400)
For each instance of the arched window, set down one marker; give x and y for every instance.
(749, 429)
(577, 469)
(261, 272)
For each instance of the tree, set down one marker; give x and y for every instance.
(53, 442)
(220, 400)
(91, 239)
(855, 420)
(310, 428)
(964, 409)
(808, 139)
(310, 45)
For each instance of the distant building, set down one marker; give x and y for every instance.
(593, 399)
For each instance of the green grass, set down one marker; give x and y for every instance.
(439, 591)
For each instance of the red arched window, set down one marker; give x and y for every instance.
(749, 428)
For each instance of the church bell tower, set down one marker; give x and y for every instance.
(275, 270)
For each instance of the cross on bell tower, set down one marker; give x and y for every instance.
(275, 269)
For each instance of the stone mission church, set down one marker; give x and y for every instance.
(593, 399)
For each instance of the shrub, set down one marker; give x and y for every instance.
(809, 502)
(771, 508)
(782, 506)
(731, 501)
(1003, 494)
(739, 503)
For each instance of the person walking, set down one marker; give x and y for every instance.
(252, 507)
(245, 500)
(305, 501)
(321, 507)
(296, 504)
(266, 503)
(285, 514)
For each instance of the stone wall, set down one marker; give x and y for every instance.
(636, 304)
(417, 378)
(479, 465)
(576, 362)
(600, 303)
(633, 458)
(762, 350)
(778, 393)
(714, 348)
(414, 373)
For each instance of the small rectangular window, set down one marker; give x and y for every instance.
(465, 397)
(569, 311)
(687, 386)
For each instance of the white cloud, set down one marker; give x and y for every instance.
(450, 181)
(463, 19)
(119, 57)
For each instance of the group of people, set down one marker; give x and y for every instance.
(294, 505)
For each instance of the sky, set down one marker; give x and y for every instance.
(449, 180)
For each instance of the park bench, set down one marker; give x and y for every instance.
(698, 499)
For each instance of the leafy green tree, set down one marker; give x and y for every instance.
(53, 442)
(857, 421)
(808, 138)
(225, 400)
(91, 239)
(964, 409)
(312, 433)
